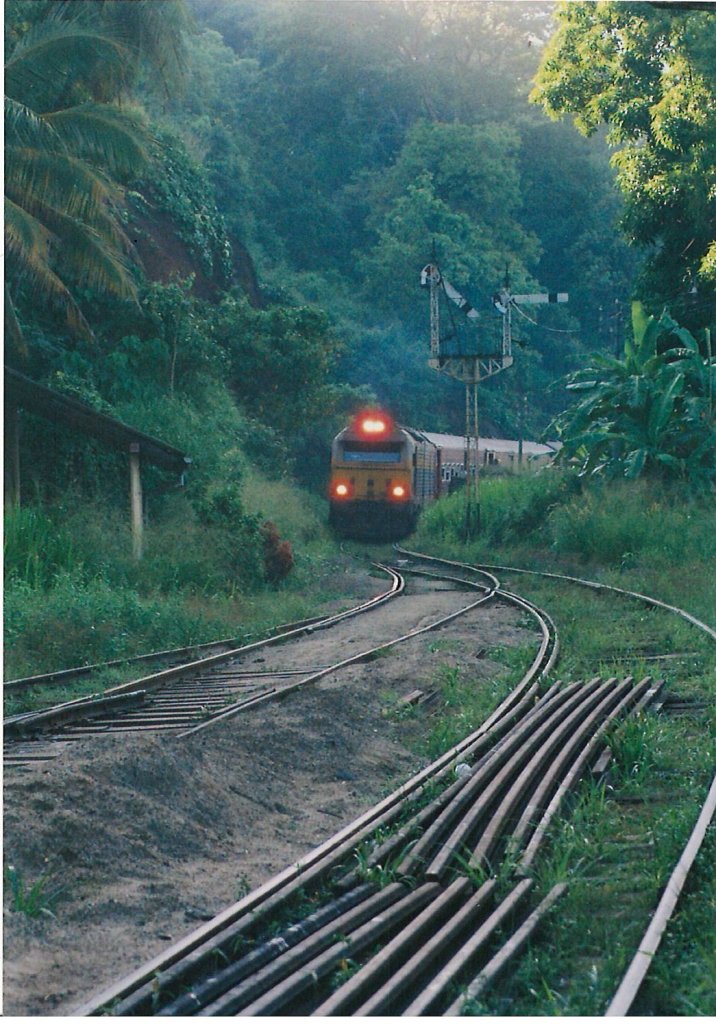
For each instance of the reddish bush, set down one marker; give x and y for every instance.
(278, 556)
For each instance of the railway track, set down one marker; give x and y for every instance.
(189, 697)
(417, 906)
(421, 902)
(192, 691)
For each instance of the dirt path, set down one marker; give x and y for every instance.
(148, 836)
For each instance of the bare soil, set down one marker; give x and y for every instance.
(148, 836)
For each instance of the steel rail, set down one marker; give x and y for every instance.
(526, 741)
(366, 982)
(639, 966)
(510, 949)
(573, 775)
(60, 676)
(644, 956)
(418, 966)
(223, 978)
(479, 778)
(351, 944)
(593, 585)
(427, 815)
(137, 991)
(84, 707)
(276, 985)
(158, 679)
(469, 949)
(355, 659)
(547, 763)
(232, 998)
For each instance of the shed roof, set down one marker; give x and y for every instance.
(42, 401)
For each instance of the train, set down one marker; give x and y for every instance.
(382, 474)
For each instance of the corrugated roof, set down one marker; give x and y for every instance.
(52, 405)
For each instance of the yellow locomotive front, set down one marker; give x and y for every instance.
(372, 489)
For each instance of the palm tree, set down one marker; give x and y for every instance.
(68, 144)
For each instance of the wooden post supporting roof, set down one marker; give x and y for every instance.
(23, 393)
(135, 501)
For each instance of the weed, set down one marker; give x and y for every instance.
(33, 900)
(632, 748)
(242, 888)
(379, 875)
(345, 970)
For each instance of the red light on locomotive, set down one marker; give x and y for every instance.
(374, 424)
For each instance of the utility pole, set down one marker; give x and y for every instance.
(473, 366)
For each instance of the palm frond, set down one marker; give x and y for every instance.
(155, 29)
(55, 55)
(13, 331)
(104, 134)
(26, 238)
(90, 259)
(24, 127)
(28, 244)
(37, 180)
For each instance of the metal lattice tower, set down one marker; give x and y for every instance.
(472, 367)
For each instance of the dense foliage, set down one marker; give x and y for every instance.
(218, 210)
(650, 413)
(648, 72)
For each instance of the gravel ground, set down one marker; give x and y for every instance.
(148, 836)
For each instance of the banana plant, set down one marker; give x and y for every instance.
(648, 414)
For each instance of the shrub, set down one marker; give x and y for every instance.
(624, 523)
(278, 556)
(511, 507)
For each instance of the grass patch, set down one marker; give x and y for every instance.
(74, 595)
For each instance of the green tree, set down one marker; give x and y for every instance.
(459, 187)
(62, 222)
(69, 142)
(648, 72)
(650, 413)
(279, 362)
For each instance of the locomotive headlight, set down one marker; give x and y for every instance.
(373, 426)
(398, 491)
(341, 490)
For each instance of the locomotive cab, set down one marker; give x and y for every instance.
(378, 477)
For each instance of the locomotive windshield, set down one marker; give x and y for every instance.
(373, 451)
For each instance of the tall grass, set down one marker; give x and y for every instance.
(35, 549)
(622, 524)
(74, 594)
(511, 508)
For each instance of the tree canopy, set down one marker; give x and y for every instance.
(648, 72)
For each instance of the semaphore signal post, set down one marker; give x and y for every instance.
(471, 362)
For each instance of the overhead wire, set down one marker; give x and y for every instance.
(542, 327)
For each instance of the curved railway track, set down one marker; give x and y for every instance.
(192, 691)
(193, 696)
(419, 904)
(443, 897)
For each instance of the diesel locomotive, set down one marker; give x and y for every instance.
(382, 474)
